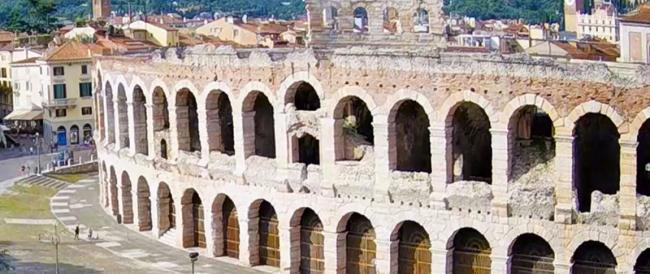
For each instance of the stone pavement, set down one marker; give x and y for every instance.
(78, 204)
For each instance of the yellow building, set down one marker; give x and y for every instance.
(67, 97)
(244, 33)
(158, 34)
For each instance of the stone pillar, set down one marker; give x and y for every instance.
(383, 159)
(286, 248)
(240, 142)
(116, 123)
(208, 227)
(135, 205)
(106, 130)
(627, 192)
(244, 240)
(150, 133)
(178, 209)
(203, 137)
(282, 157)
(131, 128)
(382, 259)
(173, 135)
(499, 264)
(564, 181)
(328, 155)
(120, 202)
(375, 18)
(439, 261)
(330, 242)
(500, 156)
(438, 150)
(155, 223)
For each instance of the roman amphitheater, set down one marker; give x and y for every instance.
(379, 158)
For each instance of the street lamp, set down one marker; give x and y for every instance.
(194, 256)
(38, 151)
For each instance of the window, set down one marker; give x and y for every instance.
(4, 72)
(86, 111)
(84, 69)
(85, 90)
(61, 113)
(58, 71)
(235, 33)
(59, 91)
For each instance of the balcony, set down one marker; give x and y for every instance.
(61, 103)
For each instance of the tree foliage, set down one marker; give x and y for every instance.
(532, 11)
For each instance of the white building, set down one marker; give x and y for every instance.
(27, 94)
(601, 23)
(635, 36)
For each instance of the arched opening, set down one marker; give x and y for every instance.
(105, 181)
(74, 135)
(259, 127)
(160, 110)
(471, 143)
(309, 246)
(593, 257)
(331, 18)
(391, 21)
(193, 228)
(413, 248)
(110, 114)
(360, 20)
(144, 205)
(219, 123)
(127, 201)
(87, 133)
(642, 265)
(531, 254)
(308, 150)
(409, 137)
(265, 235)
(226, 227)
(61, 136)
(163, 149)
(166, 211)
(100, 116)
(353, 130)
(421, 21)
(597, 158)
(471, 252)
(531, 142)
(123, 117)
(358, 236)
(115, 208)
(643, 160)
(187, 121)
(303, 96)
(140, 121)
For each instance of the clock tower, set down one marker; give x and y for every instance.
(101, 9)
(571, 8)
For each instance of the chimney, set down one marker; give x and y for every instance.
(230, 20)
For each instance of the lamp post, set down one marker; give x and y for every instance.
(38, 152)
(194, 256)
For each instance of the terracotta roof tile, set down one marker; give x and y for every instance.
(642, 15)
(73, 50)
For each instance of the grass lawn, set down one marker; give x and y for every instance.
(70, 178)
(26, 201)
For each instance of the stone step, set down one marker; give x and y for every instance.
(169, 237)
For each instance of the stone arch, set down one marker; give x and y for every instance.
(330, 18)
(255, 87)
(127, 200)
(530, 253)
(193, 216)
(593, 257)
(289, 86)
(87, 133)
(110, 113)
(333, 105)
(469, 145)
(391, 21)
(360, 20)
(225, 224)
(421, 20)
(595, 170)
(470, 252)
(105, 180)
(353, 129)
(409, 137)
(258, 125)
(307, 242)
(115, 208)
(642, 265)
(356, 247)
(306, 149)
(74, 135)
(100, 118)
(219, 122)
(187, 121)
(166, 210)
(643, 159)
(144, 205)
(303, 96)
(160, 109)
(264, 235)
(139, 102)
(594, 107)
(62, 136)
(410, 249)
(164, 150)
(123, 117)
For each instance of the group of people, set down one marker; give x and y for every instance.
(90, 233)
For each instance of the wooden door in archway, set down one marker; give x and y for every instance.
(269, 244)
(231, 231)
(312, 257)
(199, 230)
(414, 255)
(471, 254)
(360, 246)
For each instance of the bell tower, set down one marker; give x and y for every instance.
(101, 9)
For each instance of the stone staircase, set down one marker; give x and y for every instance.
(169, 237)
(43, 181)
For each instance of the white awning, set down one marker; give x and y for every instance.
(25, 115)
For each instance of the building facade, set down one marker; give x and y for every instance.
(601, 23)
(101, 9)
(635, 36)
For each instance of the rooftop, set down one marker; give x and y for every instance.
(641, 15)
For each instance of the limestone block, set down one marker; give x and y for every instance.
(409, 186)
(604, 210)
(260, 171)
(469, 195)
(530, 201)
(643, 212)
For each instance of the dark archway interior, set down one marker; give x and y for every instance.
(643, 160)
(358, 118)
(264, 127)
(163, 149)
(593, 257)
(306, 97)
(220, 123)
(308, 150)
(160, 110)
(531, 254)
(311, 243)
(413, 144)
(531, 134)
(360, 246)
(642, 265)
(193, 219)
(597, 158)
(166, 211)
(269, 241)
(187, 121)
(471, 252)
(472, 144)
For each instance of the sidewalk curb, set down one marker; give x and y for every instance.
(11, 182)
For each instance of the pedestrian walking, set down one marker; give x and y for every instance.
(90, 234)
(76, 232)
(22, 170)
